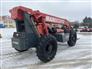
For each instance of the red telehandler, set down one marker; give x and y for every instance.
(40, 30)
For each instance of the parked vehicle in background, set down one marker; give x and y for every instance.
(2, 25)
(86, 30)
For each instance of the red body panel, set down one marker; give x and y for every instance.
(40, 18)
(17, 12)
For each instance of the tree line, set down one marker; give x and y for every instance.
(87, 21)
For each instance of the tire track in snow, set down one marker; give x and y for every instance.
(56, 64)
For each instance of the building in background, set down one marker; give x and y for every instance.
(7, 21)
(1, 23)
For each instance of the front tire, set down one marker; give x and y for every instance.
(20, 50)
(47, 48)
(72, 38)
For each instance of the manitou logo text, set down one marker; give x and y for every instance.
(54, 19)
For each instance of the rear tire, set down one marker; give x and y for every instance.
(72, 38)
(47, 48)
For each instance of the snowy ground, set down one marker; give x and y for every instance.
(77, 57)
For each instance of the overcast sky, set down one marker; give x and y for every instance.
(71, 10)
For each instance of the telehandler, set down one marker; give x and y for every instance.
(41, 31)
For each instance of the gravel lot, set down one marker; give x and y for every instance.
(77, 57)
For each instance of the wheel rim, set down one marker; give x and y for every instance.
(73, 38)
(49, 49)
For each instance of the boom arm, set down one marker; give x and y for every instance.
(39, 18)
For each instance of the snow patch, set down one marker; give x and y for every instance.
(7, 32)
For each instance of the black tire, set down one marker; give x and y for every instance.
(72, 38)
(47, 48)
(20, 50)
